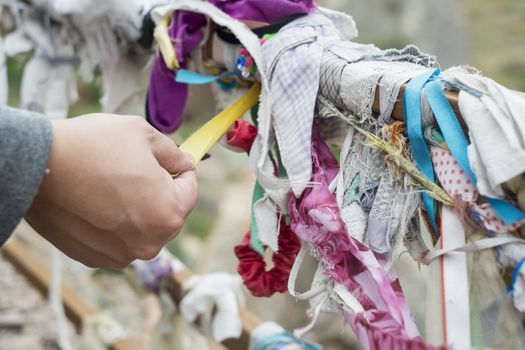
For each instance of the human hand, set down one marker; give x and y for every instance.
(109, 197)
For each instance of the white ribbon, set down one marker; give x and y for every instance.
(317, 288)
(483, 244)
(56, 302)
(455, 282)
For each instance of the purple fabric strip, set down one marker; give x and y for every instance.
(166, 97)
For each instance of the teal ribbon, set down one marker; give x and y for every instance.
(258, 193)
(190, 77)
(458, 143)
(276, 341)
(414, 125)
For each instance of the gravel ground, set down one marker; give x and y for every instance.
(26, 319)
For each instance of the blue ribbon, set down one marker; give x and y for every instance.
(414, 125)
(508, 212)
(276, 341)
(189, 77)
(515, 275)
(458, 143)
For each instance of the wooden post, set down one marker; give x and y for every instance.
(77, 308)
(398, 112)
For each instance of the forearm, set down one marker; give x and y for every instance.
(25, 143)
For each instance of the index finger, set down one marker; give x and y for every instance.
(186, 191)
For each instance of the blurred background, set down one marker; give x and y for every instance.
(486, 34)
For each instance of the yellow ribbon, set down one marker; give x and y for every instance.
(202, 140)
(164, 43)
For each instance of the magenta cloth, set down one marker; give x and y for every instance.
(268, 11)
(316, 219)
(166, 97)
(372, 328)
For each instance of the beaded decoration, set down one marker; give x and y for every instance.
(245, 62)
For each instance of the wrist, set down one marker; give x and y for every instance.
(54, 159)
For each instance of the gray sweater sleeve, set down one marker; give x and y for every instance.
(25, 143)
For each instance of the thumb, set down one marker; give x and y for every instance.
(169, 156)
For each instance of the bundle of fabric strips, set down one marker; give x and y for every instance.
(359, 154)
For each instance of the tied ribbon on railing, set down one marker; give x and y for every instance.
(453, 135)
(202, 140)
(414, 125)
(458, 143)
